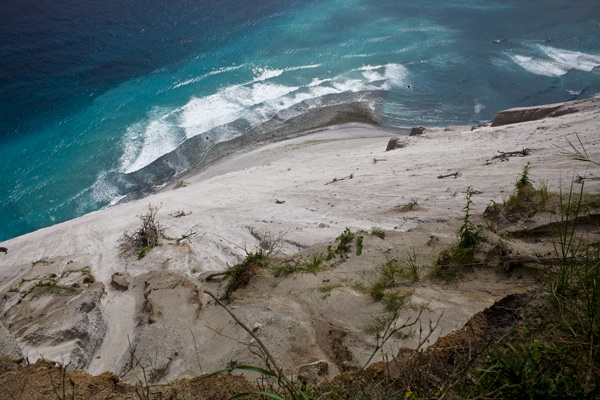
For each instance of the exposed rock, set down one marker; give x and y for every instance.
(8, 344)
(417, 130)
(456, 128)
(313, 372)
(480, 125)
(120, 280)
(395, 143)
(72, 325)
(524, 114)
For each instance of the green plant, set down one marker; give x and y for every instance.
(468, 236)
(380, 233)
(314, 263)
(343, 247)
(43, 261)
(524, 180)
(542, 190)
(327, 289)
(412, 272)
(376, 289)
(359, 245)
(239, 275)
(529, 371)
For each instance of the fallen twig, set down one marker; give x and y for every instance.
(455, 175)
(504, 155)
(580, 179)
(180, 214)
(340, 179)
(376, 160)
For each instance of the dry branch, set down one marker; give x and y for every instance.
(340, 179)
(454, 174)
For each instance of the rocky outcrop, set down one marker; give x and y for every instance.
(395, 143)
(417, 130)
(524, 114)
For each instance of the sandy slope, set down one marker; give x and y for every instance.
(284, 188)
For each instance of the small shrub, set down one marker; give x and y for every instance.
(523, 181)
(327, 289)
(468, 236)
(395, 301)
(376, 290)
(146, 237)
(380, 233)
(343, 247)
(412, 270)
(239, 275)
(314, 264)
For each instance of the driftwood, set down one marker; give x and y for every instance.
(215, 275)
(580, 179)
(180, 214)
(376, 160)
(504, 155)
(454, 174)
(509, 261)
(340, 179)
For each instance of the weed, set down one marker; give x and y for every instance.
(43, 261)
(395, 301)
(327, 289)
(359, 245)
(542, 189)
(314, 263)
(524, 180)
(468, 236)
(380, 233)
(412, 271)
(343, 247)
(376, 289)
(239, 275)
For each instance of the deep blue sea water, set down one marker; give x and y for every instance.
(92, 92)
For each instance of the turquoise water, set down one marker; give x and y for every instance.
(93, 95)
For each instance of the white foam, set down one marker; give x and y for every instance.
(199, 78)
(147, 143)
(255, 101)
(262, 74)
(478, 107)
(574, 92)
(556, 62)
(393, 74)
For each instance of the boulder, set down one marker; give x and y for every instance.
(395, 143)
(120, 280)
(417, 130)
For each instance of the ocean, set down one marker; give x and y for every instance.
(102, 102)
